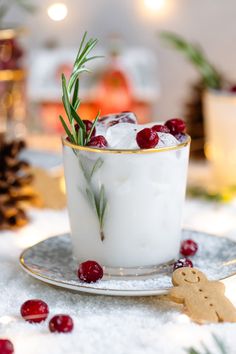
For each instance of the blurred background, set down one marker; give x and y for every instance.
(155, 81)
(156, 77)
(137, 23)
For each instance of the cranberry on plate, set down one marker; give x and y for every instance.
(182, 262)
(61, 324)
(90, 271)
(188, 248)
(34, 311)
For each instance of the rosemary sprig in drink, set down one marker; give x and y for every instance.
(76, 128)
(70, 98)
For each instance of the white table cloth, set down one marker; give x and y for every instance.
(105, 325)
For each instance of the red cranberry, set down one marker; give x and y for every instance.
(90, 271)
(88, 126)
(175, 125)
(98, 141)
(61, 324)
(34, 311)
(147, 138)
(6, 347)
(182, 262)
(161, 128)
(233, 89)
(188, 248)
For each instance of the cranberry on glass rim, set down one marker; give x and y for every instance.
(161, 128)
(90, 272)
(61, 324)
(176, 125)
(98, 141)
(6, 346)
(88, 125)
(147, 138)
(188, 248)
(182, 262)
(34, 311)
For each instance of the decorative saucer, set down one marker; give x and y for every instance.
(51, 261)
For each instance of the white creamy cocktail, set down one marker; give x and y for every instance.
(125, 203)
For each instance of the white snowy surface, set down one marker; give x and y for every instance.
(105, 325)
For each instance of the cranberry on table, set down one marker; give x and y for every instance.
(90, 271)
(188, 248)
(34, 311)
(176, 125)
(61, 324)
(6, 346)
(147, 138)
(98, 142)
(182, 262)
(161, 128)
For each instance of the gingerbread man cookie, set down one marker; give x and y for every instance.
(204, 300)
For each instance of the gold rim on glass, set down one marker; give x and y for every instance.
(126, 151)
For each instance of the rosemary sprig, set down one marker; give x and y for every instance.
(98, 201)
(71, 102)
(210, 76)
(70, 93)
(219, 344)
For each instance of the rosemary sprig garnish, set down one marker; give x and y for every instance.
(210, 76)
(70, 93)
(71, 102)
(98, 200)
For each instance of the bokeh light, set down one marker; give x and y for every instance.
(57, 11)
(154, 5)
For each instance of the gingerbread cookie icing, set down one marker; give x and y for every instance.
(204, 300)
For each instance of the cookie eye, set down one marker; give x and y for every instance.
(200, 290)
(205, 297)
(193, 272)
(211, 305)
(183, 274)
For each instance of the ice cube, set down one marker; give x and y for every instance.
(122, 136)
(181, 137)
(166, 139)
(113, 119)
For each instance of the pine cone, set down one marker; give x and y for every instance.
(15, 180)
(194, 119)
